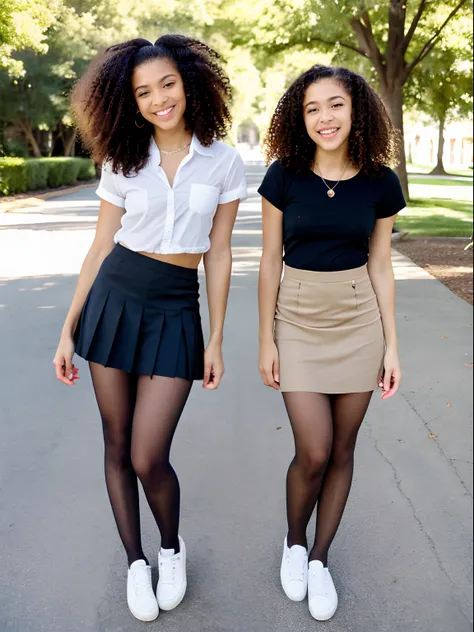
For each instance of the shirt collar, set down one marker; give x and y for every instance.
(205, 151)
(155, 155)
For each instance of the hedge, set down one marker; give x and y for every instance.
(18, 175)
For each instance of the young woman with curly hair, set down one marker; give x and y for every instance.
(153, 115)
(327, 330)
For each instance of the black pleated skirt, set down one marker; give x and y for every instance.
(142, 316)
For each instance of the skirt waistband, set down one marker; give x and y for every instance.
(155, 265)
(309, 276)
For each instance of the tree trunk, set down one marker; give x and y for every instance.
(439, 169)
(393, 100)
(30, 138)
(70, 141)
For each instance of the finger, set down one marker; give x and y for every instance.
(387, 380)
(207, 376)
(395, 384)
(268, 377)
(276, 371)
(211, 385)
(60, 367)
(69, 367)
(216, 378)
(392, 390)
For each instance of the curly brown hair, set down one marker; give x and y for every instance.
(105, 108)
(373, 141)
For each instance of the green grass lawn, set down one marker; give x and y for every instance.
(439, 181)
(426, 217)
(413, 168)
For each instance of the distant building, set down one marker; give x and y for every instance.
(421, 144)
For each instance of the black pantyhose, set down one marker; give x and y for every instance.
(325, 429)
(139, 418)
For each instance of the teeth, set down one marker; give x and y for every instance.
(327, 132)
(164, 112)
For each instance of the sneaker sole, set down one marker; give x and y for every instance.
(324, 617)
(141, 617)
(166, 607)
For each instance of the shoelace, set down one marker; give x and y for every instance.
(141, 581)
(297, 564)
(168, 569)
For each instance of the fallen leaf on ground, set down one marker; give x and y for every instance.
(445, 337)
(432, 436)
(278, 427)
(449, 405)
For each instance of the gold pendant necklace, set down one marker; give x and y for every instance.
(331, 193)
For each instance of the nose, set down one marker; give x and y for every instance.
(159, 99)
(327, 115)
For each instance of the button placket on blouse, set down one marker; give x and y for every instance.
(171, 201)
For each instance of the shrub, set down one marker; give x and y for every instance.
(18, 175)
(13, 176)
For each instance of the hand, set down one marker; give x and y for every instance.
(269, 364)
(213, 366)
(66, 372)
(390, 381)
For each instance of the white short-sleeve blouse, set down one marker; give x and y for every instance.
(162, 219)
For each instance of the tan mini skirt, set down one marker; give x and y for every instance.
(328, 331)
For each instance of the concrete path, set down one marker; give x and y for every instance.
(402, 558)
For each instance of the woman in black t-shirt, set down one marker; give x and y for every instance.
(327, 330)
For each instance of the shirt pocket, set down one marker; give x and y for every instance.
(203, 199)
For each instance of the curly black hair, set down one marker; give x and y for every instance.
(105, 108)
(373, 141)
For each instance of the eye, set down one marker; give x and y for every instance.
(312, 110)
(143, 94)
(338, 105)
(169, 84)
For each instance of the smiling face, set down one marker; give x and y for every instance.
(327, 111)
(159, 92)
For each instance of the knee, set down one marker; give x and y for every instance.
(117, 453)
(313, 462)
(147, 467)
(342, 456)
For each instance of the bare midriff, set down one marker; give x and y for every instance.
(185, 260)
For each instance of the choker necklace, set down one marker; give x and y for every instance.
(331, 192)
(173, 151)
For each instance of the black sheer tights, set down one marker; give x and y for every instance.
(325, 429)
(139, 419)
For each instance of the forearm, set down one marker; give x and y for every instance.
(89, 271)
(268, 286)
(383, 282)
(218, 266)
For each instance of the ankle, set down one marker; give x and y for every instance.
(318, 556)
(135, 558)
(296, 540)
(171, 544)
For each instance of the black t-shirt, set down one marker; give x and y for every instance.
(330, 234)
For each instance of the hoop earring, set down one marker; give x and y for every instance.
(139, 126)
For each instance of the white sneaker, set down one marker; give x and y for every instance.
(322, 594)
(140, 596)
(294, 572)
(172, 582)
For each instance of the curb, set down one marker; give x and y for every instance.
(30, 203)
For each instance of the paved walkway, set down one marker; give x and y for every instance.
(402, 559)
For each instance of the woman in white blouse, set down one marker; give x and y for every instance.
(152, 114)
